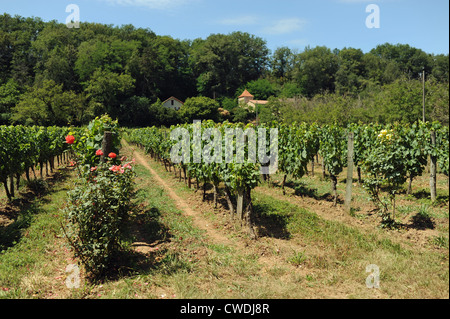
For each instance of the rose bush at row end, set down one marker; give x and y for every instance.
(98, 207)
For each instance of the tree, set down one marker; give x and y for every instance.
(315, 70)
(401, 101)
(437, 101)
(56, 49)
(163, 116)
(441, 67)
(379, 70)
(262, 89)
(109, 55)
(282, 64)
(162, 69)
(9, 96)
(106, 90)
(135, 111)
(290, 90)
(16, 59)
(223, 63)
(47, 104)
(199, 108)
(349, 76)
(411, 61)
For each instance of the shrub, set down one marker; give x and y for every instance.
(96, 211)
(87, 141)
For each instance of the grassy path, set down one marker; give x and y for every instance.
(34, 254)
(181, 204)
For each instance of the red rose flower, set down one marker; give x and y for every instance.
(115, 168)
(99, 153)
(112, 155)
(70, 139)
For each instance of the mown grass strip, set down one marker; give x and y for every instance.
(297, 221)
(33, 250)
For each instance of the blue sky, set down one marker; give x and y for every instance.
(293, 23)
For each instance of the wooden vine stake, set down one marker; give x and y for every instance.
(106, 145)
(240, 204)
(348, 192)
(433, 165)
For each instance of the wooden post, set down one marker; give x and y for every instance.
(5, 184)
(106, 145)
(348, 192)
(324, 174)
(240, 204)
(423, 95)
(433, 168)
(229, 201)
(248, 215)
(11, 185)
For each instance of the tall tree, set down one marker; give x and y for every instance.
(441, 67)
(316, 69)
(48, 104)
(9, 96)
(223, 63)
(106, 90)
(282, 63)
(410, 60)
(351, 72)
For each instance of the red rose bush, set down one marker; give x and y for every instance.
(97, 208)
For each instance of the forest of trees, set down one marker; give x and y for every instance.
(54, 75)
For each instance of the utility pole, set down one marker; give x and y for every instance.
(423, 97)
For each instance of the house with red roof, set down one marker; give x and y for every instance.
(173, 103)
(246, 99)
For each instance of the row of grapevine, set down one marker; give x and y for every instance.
(22, 148)
(238, 177)
(388, 156)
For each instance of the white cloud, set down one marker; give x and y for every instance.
(285, 26)
(151, 4)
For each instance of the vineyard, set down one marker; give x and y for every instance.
(387, 156)
(115, 190)
(24, 148)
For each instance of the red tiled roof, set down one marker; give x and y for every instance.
(246, 94)
(172, 98)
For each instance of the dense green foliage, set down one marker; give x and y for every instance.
(201, 152)
(89, 139)
(388, 155)
(53, 75)
(22, 148)
(96, 211)
(99, 205)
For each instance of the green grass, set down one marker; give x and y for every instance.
(30, 245)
